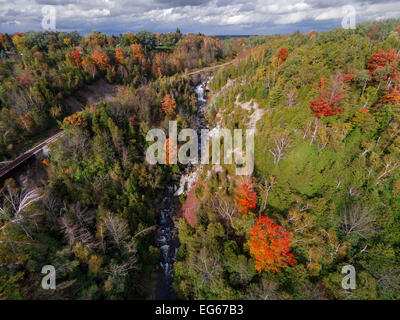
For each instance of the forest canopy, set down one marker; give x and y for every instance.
(325, 191)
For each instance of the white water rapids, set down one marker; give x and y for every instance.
(166, 231)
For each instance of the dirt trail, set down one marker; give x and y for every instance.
(249, 106)
(93, 94)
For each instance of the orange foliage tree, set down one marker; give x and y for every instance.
(311, 34)
(270, 245)
(169, 144)
(119, 55)
(76, 120)
(393, 96)
(46, 163)
(245, 197)
(101, 60)
(2, 40)
(159, 65)
(168, 105)
(137, 52)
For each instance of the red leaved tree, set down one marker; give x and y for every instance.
(270, 245)
(282, 56)
(384, 66)
(348, 77)
(384, 59)
(330, 98)
(75, 57)
(245, 197)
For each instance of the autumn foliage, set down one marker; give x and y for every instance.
(393, 95)
(76, 58)
(330, 98)
(168, 105)
(384, 59)
(24, 80)
(46, 163)
(137, 52)
(388, 62)
(245, 197)
(348, 77)
(101, 60)
(270, 245)
(76, 120)
(169, 156)
(282, 55)
(119, 55)
(159, 65)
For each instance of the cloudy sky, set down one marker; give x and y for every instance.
(215, 17)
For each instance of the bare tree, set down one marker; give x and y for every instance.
(119, 272)
(280, 143)
(52, 206)
(224, 208)
(307, 128)
(75, 223)
(367, 146)
(265, 187)
(354, 192)
(69, 229)
(15, 209)
(303, 206)
(314, 133)
(207, 265)
(356, 220)
(265, 290)
(117, 228)
(390, 165)
(291, 97)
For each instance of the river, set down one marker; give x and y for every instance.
(167, 233)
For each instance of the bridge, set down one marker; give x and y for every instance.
(212, 68)
(13, 164)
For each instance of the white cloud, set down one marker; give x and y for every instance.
(209, 16)
(292, 18)
(334, 13)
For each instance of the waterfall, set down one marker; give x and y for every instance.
(166, 231)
